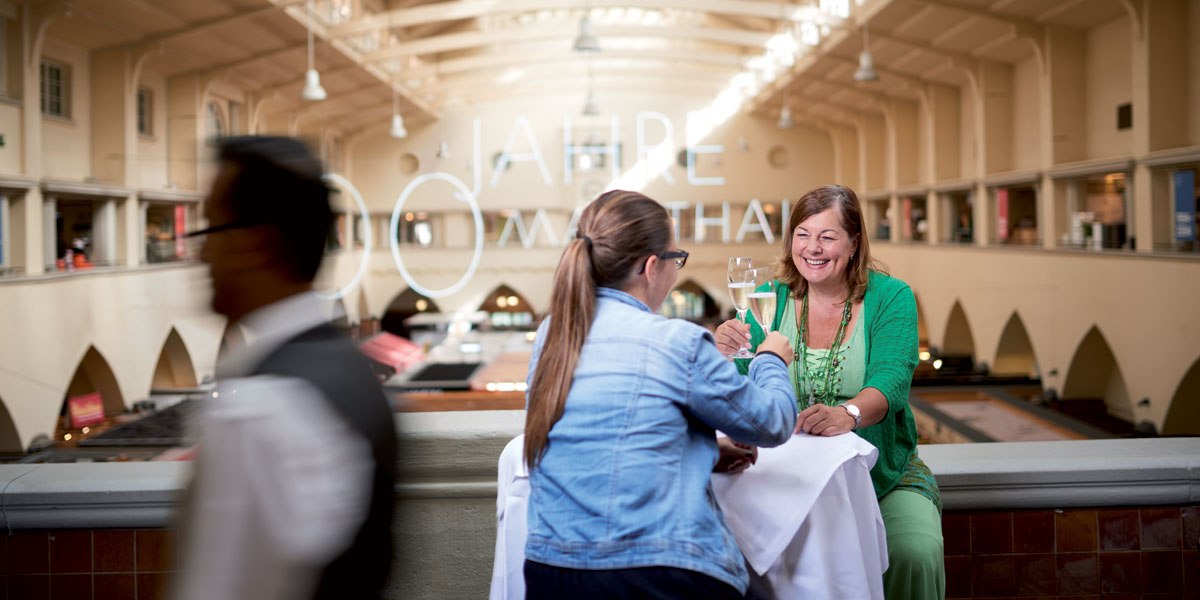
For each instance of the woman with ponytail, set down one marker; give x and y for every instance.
(623, 406)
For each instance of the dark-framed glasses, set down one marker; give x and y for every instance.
(219, 228)
(679, 257)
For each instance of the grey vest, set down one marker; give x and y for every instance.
(328, 360)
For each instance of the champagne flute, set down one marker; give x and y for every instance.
(763, 297)
(740, 286)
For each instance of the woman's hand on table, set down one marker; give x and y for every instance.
(732, 335)
(734, 457)
(821, 419)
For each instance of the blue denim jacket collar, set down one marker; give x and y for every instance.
(622, 297)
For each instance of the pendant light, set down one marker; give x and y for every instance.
(866, 65)
(590, 108)
(785, 117)
(398, 131)
(585, 42)
(312, 79)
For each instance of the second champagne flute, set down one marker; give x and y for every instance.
(763, 297)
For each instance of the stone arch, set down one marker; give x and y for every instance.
(174, 369)
(406, 304)
(508, 308)
(958, 339)
(922, 325)
(92, 376)
(1095, 375)
(10, 441)
(690, 300)
(1014, 353)
(232, 338)
(1183, 415)
(501, 298)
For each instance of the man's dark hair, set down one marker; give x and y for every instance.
(277, 183)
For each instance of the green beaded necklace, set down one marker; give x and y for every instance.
(832, 364)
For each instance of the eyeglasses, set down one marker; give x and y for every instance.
(680, 257)
(220, 228)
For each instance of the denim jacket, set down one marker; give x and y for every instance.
(624, 480)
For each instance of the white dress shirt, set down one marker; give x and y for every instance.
(282, 482)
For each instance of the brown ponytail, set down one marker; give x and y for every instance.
(616, 232)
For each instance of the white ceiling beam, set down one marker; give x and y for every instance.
(601, 81)
(551, 72)
(453, 11)
(473, 39)
(525, 57)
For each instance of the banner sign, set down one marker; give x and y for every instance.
(1185, 205)
(87, 409)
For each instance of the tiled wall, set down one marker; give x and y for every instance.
(1109, 554)
(100, 564)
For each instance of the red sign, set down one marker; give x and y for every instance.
(1002, 214)
(85, 410)
(180, 227)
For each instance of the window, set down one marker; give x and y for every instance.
(164, 224)
(915, 226)
(1016, 216)
(215, 122)
(56, 89)
(879, 215)
(145, 111)
(416, 228)
(73, 230)
(959, 222)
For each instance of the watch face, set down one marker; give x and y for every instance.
(852, 409)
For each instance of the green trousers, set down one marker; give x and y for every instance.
(916, 566)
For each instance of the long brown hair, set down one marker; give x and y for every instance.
(849, 211)
(616, 232)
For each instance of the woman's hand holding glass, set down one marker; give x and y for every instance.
(741, 283)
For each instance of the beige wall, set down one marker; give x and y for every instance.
(66, 144)
(1109, 83)
(126, 316)
(10, 126)
(152, 149)
(1027, 120)
(1193, 59)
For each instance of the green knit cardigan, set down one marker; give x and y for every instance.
(890, 338)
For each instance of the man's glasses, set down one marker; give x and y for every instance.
(219, 228)
(679, 256)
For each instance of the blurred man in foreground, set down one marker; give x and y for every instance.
(293, 491)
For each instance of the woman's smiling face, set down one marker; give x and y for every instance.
(821, 248)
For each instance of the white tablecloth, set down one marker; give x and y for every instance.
(805, 516)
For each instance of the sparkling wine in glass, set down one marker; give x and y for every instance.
(741, 283)
(763, 297)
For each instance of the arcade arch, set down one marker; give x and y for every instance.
(1014, 354)
(174, 369)
(1095, 375)
(1183, 416)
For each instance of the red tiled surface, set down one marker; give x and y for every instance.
(70, 587)
(1074, 554)
(1075, 531)
(1118, 529)
(991, 533)
(1162, 528)
(70, 551)
(85, 564)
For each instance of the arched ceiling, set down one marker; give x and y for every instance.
(445, 53)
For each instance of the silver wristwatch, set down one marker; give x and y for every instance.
(854, 412)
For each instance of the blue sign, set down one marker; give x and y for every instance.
(1185, 205)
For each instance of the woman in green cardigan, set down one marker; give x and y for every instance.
(854, 331)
